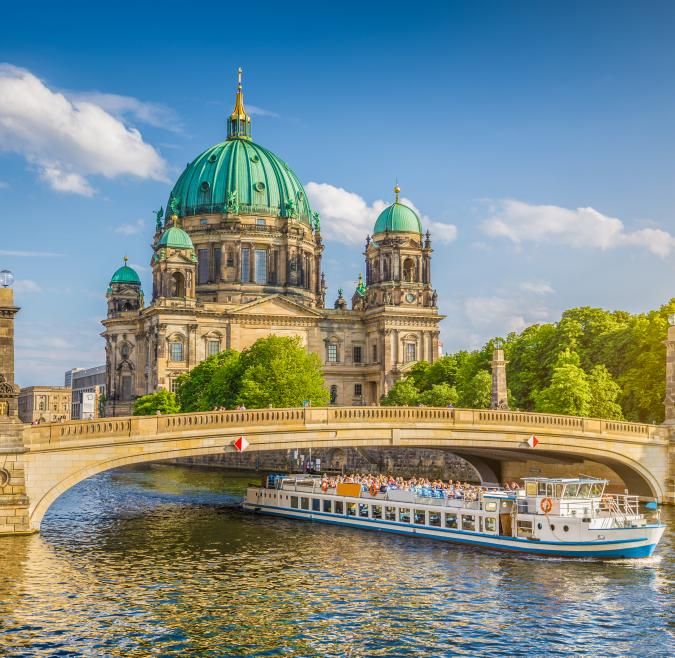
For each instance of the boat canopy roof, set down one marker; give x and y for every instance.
(579, 480)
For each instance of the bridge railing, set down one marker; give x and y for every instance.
(145, 426)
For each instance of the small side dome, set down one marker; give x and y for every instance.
(126, 274)
(176, 238)
(398, 217)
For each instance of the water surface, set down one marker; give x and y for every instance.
(159, 561)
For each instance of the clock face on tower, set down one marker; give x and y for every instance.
(410, 298)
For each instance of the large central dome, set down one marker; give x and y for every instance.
(239, 177)
(241, 174)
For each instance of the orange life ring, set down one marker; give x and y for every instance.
(324, 486)
(374, 490)
(546, 505)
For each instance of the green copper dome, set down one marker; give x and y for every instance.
(240, 177)
(125, 274)
(398, 217)
(175, 238)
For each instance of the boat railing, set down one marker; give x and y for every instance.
(620, 506)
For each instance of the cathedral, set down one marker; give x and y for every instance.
(237, 256)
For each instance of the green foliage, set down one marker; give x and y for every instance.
(477, 392)
(279, 372)
(163, 401)
(213, 383)
(402, 393)
(439, 395)
(608, 364)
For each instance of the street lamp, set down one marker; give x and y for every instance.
(6, 278)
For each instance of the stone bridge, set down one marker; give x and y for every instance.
(43, 461)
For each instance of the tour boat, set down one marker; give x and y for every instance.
(561, 517)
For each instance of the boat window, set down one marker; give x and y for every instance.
(339, 507)
(506, 505)
(420, 516)
(451, 520)
(542, 489)
(304, 503)
(316, 505)
(584, 491)
(571, 490)
(377, 511)
(531, 488)
(294, 502)
(524, 529)
(491, 506)
(404, 514)
(363, 510)
(549, 490)
(468, 522)
(559, 490)
(390, 513)
(596, 490)
(490, 524)
(435, 519)
(327, 505)
(351, 509)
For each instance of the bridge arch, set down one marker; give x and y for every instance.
(61, 455)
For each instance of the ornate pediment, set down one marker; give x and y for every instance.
(276, 306)
(7, 390)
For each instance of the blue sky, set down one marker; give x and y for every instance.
(536, 140)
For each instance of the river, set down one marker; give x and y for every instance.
(158, 561)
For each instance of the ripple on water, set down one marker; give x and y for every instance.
(157, 561)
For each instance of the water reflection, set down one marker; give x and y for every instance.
(158, 561)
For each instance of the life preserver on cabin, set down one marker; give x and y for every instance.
(374, 490)
(546, 505)
(324, 486)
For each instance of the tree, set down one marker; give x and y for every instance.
(163, 401)
(569, 392)
(439, 395)
(277, 371)
(477, 393)
(402, 394)
(212, 383)
(604, 394)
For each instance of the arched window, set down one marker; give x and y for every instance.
(333, 394)
(176, 350)
(385, 268)
(410, 353)
(177, 285)
(125, 350)
(409, 270)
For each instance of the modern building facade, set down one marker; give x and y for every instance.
(88, 390)
(237, 256)
(44, 404)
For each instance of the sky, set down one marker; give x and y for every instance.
(536, 140)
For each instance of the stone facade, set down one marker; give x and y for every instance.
(45, 404)
(228, 270)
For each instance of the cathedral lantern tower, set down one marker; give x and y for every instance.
(174, 267)
(398, 260)
(124, 292)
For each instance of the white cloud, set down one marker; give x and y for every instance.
(494, 315)
(139, 268)
(152, 114)
(3, 185)
(347, 218)
(28, 254)
(69, 140)
(537, 287)
(581, 227)
(131, 229)
(26, 286)
(259, 111)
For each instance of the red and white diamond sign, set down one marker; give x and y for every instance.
(240, 444)
(533, 441)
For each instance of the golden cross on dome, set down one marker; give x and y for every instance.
(239, 72)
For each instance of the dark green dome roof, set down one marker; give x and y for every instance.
(176, 238)
(398, 217)
(241, 177)
(125, 274)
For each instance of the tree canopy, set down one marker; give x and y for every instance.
(275, 371)
(607, 364)
(163, 401)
